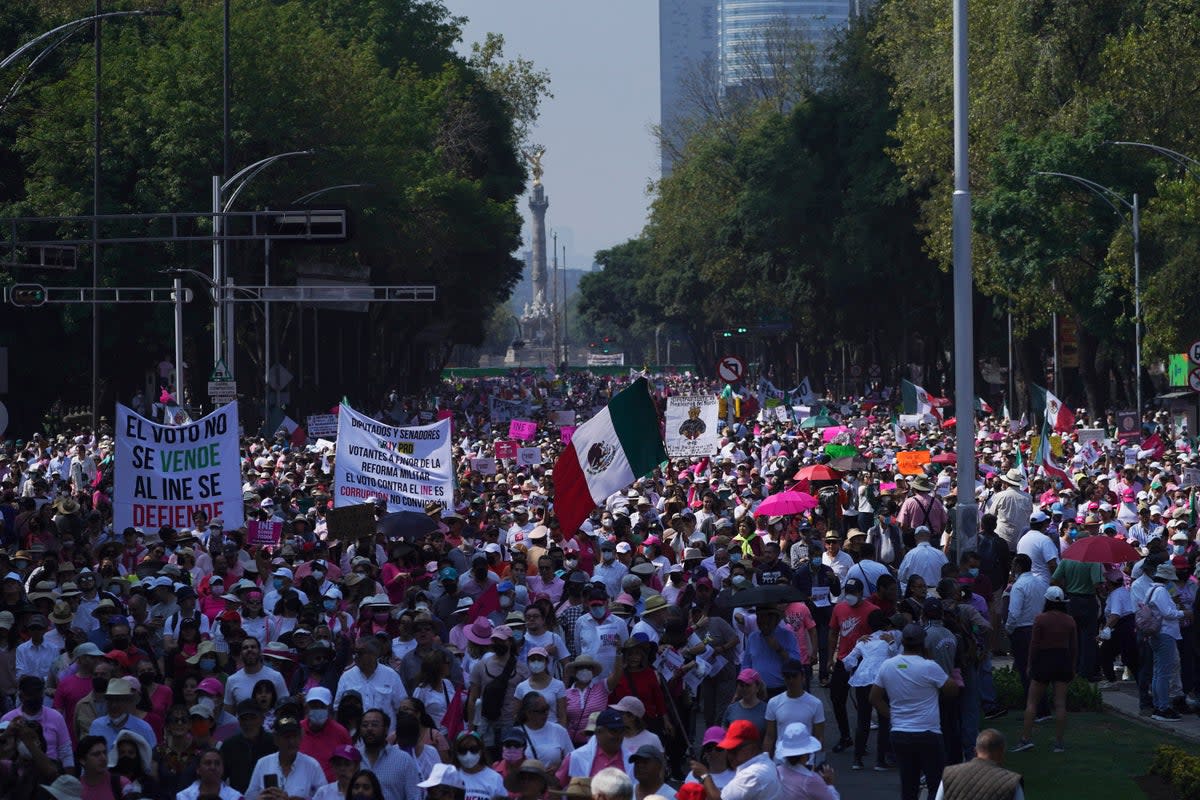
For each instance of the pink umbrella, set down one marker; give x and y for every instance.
(945, 458)
(785, 503)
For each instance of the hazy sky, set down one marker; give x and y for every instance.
(600, 153)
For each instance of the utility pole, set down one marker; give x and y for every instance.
(554, 304)
(97, 10)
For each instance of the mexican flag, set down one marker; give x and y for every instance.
(1044, 457)
(982, 407)
(607, 453)
(1058, 417)
(916, 400)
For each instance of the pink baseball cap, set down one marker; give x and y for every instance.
(211, 686)
(347, 752)
(713, 735)
(748, 676)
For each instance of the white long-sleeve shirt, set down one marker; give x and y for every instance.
(1026, 600)
(1160, 595)
(924, 560)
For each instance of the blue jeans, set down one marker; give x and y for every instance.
(1166, 663)
(969, 705)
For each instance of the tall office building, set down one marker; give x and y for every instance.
(745, 25)
(687, 44)
(728, 37)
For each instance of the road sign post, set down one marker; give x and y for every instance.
(731, 369)
(1194, 352)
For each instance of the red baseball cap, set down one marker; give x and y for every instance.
(740, 732)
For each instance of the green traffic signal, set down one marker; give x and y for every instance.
(27, 295)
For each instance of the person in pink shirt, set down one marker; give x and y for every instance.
(31, 691)
(75, 686)
(800, 619)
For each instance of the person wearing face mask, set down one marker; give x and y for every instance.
(610, 572)
(600, 634)
(586, 696)
(513, 745)
(320, 735)
(282, 584)
(543, 683)
(756, 777)
(119, 697)
(480, 781)
(31, 694)
(130, 758)
(847, 624)
(572, 609)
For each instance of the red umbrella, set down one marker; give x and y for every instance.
(817, 472)
(785, 503)
(945, 458)
(1101, 550)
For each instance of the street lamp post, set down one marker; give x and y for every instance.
(221, 204)
(299, 201)
(1108, 196)
(966, 509)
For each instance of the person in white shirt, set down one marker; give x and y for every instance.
(867, 570)
(796, 704)
(905, 693)
(36, 656)
(1041, 549)
(1164, 644)
(345, 761)
(836, 558)
(240, 685)
(600, 633)
(1026, 600)
(209, 780)
(1118, 634)
(924, 560)
(864, 661)
(380, 685)
(287, 773)
(756, 778)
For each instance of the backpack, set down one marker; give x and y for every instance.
(1148, 619)
(496, 689)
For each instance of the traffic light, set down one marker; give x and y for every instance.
(743, 330)
(27, 295)
(727, 334)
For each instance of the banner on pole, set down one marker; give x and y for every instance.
(692, 425)
(163, 474)
(406, 467)
(506, 449)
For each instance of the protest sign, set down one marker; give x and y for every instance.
(406, 467)
(506, 449)
(350, 522)
(501, 411)
(909, 462)
(1127, 426)
(322, 426)
(691, 425)
(163, 473)
(910, 420)
(522, 429)
(1190, 478)
(566, 432)
(264, 533)
(528, 456)
(1088, 435)
(562, 418)
(484, 466)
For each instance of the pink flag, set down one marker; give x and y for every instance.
(522, 429)
(566, 432)
(831, 433)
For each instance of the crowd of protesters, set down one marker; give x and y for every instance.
(498, 655)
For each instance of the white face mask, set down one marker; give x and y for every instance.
(571, 563)
(584, 675)
(468, 760)
(852, 599)
(318, 716)
(537, 665)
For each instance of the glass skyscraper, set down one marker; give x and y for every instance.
(744, 25)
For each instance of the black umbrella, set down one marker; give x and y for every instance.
(850, 463)
(409, 525)
(772, 595)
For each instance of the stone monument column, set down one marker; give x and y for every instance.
(538, 203)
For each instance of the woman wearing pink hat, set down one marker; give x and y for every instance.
(751, 697)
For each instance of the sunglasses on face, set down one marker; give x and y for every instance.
(468, 750)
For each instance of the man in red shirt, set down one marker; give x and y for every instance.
(320, 735)
(848, 622)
